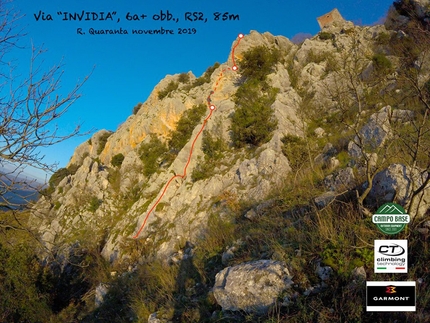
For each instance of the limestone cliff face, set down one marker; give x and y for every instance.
(154, 117)
(108, 204)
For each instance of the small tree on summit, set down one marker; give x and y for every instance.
(258, 62)
(253, 122)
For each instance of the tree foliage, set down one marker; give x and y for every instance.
(137, 108)
(150, 154)
(185, 127)
(252, 122)
(258, 62)
(117, 160)
(184, 78)
(212, 147)
(381, 63)
(171, 86)
(206, 77)
(102, 142)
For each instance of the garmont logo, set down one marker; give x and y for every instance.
(391, 298)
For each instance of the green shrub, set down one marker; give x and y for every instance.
(293, 74)
(343, 158)
(186, 124)
(214, 152)
(150, 154)
(323, 35)
(137, 108)
(202, 170)
(314, 57)
(73, 168)
(117, 160)
(211, 147)
(253, 121)
(205, 78)
(58, 176)
(94, 204)
(258, 62)
(23, 298)
(102, 142)
(331, 65)
(295, 150)
(57, 205)
(183, 78)
(381, 63)
(383, 38)
(209, 71)
(172, 86)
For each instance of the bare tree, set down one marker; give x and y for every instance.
(351, 88)
(361, 82)
(29, 107)
(414, 79)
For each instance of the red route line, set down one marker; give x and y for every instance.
(211, 108)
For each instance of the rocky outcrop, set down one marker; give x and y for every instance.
(109, 203)
(398, 183)
(251, 287)
(414, 9)
(341, 180)
(372, 135)
(112, 202)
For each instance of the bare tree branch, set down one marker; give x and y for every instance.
(30, 106)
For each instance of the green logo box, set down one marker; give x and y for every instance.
(391, 218)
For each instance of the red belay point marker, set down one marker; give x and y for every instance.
(212, 108)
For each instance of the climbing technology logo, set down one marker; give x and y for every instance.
(391, 218)
(386, 296)
(391, 256)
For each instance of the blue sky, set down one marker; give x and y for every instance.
(125, 68)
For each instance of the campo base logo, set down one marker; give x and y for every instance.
(391, 218)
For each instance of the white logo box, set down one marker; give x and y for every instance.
(391, 256)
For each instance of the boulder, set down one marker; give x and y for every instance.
(397, 183)
(324, 272)
(372, 135)
(153, 318)
(326, 158)
(324, 199)
(319, 132)
(101, 291)
(341, 180)
(251, 287)
(359, 274)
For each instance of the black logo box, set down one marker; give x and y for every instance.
(406, 296)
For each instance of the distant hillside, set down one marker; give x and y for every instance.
(18, 190)
(19, 198)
